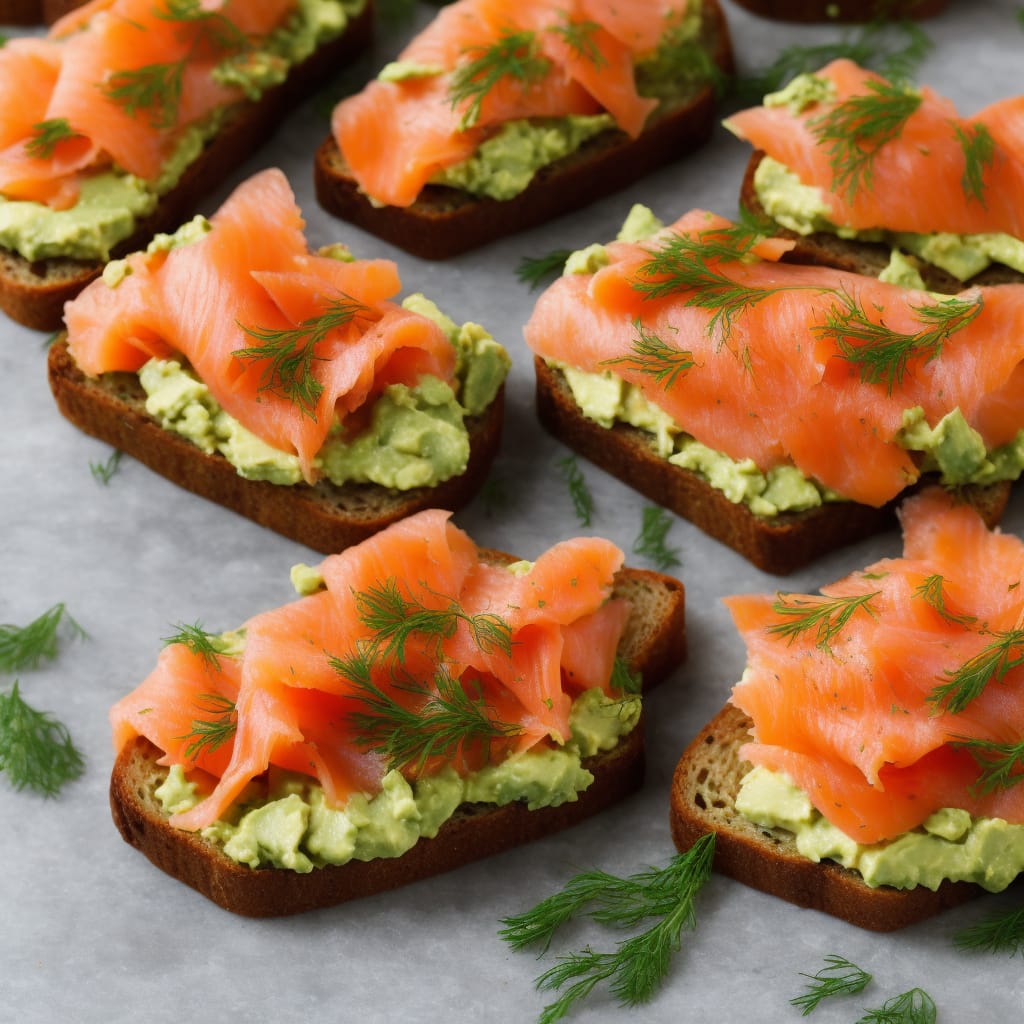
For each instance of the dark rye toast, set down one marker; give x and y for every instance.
(34, 292)
(444, 222)
(654, 643)
(35, 12)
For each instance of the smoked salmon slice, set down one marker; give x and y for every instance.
(399, 616)
(881, 697)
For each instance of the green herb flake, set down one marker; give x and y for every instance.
(219, 724)
(913, 1007)
(839, 977)
(979, 152)
(24, 647)
(1000, 933)
(651, 541)
(47, 135)
(103, 472)
(536, 270)
(825, 616)
(582, 499)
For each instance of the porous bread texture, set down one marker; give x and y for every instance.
(777, 544)
(703, 799)
(653, 648)
(112, 407)
(843, 10)
(445, 222)
(34, 292)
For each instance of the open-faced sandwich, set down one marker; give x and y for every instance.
(782, 408)
(870, 761)
(425, 704)
(854, 166)
(115, 123)
(503, 115)
(284, 384)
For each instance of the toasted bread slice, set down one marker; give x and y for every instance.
(843, 10)
(653, 644)
(324, 517)
(703, 800)
(444, 222)
(780, 544)
(34, 293)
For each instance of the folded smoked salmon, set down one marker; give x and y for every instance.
(883, 720)
(424, 704)
(286, 384)
(502, 115)
(115, 123)
(854, 165)
(778, 406)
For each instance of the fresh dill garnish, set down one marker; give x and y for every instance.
(494, 495)
(883, 355)
(1001, 764)
(913, 1007)
(979, 152)
(826, 616)
(930, 591)
(36, 751)
(582, 499)
(513, 56)
(535, 270)
(639, 964)
(1000, 933)
(201, 643)
(579, 37)
(47, 135)
(654, 357)
(23, 647)
(964, 684)
(624, 678)
(445, 716)
(651, 541)
(858, 127)
(104, 471)
(207, 734)
(289, 354)
(839, 977)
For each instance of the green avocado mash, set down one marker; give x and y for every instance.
(286, 823)
(111, 202)
(950, 844)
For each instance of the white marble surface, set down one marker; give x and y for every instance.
(93, 933)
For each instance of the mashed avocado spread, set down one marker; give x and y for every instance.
(949, 845)
(111, 202)
(802, 209)
(286, 823)
(951, 448)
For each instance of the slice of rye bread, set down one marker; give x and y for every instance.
(822, 248)
(324, 517)
(35, 12)
(843, 10)
(654, 644)
(34, 292)
(444, 222)
(703, 800)
(778, 544)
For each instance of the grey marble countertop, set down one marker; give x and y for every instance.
(93, 933)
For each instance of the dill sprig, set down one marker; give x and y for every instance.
(882, 354)
(651, 541)
(857, 128)
(964, 684)
(201, 643)
(913, 1007)
(639, 964)
(513, 56)
(36, 751)
(207, 734)
(1001, 764)
(624, 678)
(1001, 933)
(930, 591)
(103, 472)
(23, 647)
(535, 270)
(839, 977)
(579, 37)
(582, 499)
(289, 354)
(826, 616)
(47, 135)
(654, 357)
(979, 152)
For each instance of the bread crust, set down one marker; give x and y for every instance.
(476, 831)
(444, 222)
(843, 10)
(704, 788)
(324, 517)
(34, 292)
(780, 544)
(822, 248)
